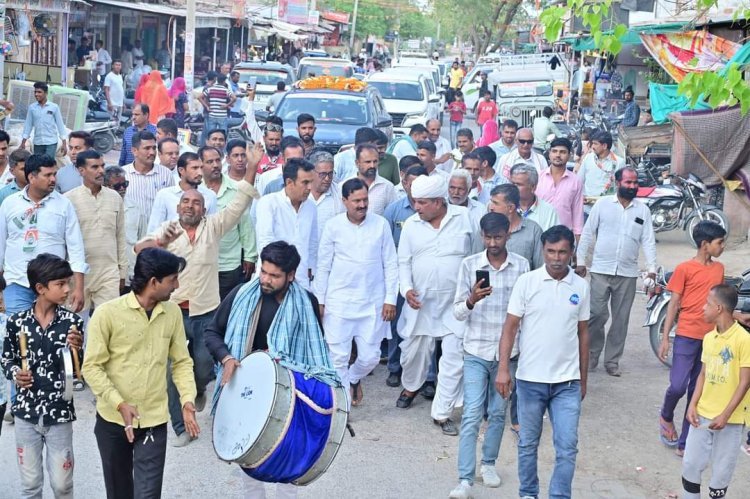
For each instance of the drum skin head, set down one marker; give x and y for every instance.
(244, 407)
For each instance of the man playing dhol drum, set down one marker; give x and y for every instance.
(247, 317)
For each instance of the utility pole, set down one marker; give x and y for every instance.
(189, 47)
(354, 25)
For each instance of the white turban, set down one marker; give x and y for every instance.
(429, 187)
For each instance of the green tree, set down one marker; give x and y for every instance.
(726, 87)
(483, 22)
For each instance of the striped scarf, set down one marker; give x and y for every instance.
(295, 338)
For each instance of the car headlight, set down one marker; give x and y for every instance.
(516, 112)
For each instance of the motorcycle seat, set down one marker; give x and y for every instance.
(644, 192)
(234, 122)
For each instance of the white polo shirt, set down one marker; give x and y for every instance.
(550, 311)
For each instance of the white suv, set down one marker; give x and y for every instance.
(407, 98)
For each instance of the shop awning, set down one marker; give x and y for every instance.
(632, 36)
(203, 19)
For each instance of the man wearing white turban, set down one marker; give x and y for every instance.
(433, 243)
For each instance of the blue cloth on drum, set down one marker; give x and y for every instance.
(295, 337)
(305, 439)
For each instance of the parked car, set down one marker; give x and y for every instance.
(324, 66)
(338, 114)
(433, 81)
(408, 98)
(267, 75)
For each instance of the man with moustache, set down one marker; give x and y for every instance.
(614, 270)
(507, 140)
(459, 186)
(442, 146)
(356, 286)
(561, 188)
(101, 215)
(272, 180)
(381, 192)
(169, 152)
(288, 215)
(325, 193)
(197, 238)
(306, 132)
(551, 307)
(237, 252)
(190, 169)
(523, 154)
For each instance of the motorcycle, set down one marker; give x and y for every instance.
(656, 308)
(237, 126)
(678, 202)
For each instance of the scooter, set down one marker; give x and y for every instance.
(237, 128)
(656, 308)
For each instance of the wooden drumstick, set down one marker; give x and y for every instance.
(24, 352)
(76, 361)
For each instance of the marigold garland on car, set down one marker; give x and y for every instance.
(332, 83)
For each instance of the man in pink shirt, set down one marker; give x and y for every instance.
(561, 188)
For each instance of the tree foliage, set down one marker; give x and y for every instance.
(483, 22)
(716, 88)
(377, 17)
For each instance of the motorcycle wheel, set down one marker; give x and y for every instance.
(104, 142)
(713, 215)
(655, 334)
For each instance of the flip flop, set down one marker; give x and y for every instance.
(667, 430)
(516, 433)
(357, 394)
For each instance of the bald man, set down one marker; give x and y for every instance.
(523, 154)
(443, 158)
(196, 238)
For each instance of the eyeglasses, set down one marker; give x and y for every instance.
(273, 127)
(324, 175)
(527, 142)
(121, 185)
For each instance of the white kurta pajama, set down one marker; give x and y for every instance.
(429, 262)
(357, 274)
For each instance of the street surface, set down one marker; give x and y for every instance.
(401, 454)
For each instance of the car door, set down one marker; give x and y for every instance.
(433, 108)
(381, 115)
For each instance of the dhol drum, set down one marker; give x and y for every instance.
(277, 425)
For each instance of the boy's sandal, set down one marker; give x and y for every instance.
(668, 433)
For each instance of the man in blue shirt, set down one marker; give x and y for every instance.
(46, 120)
(16, 163)
(234, 86)
(396, 213)
(140, 123)
(632, 110)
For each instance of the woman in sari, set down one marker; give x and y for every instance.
(155, 95)
(178, 93)
(489, 133)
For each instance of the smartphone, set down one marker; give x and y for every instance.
(484, 274)
(252, 81)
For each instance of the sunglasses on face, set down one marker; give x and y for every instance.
(527, 142)
(120, 186)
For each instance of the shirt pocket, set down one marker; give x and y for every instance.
(51, 223)
(635, 230)
(456, 244)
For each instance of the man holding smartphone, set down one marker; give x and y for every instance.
(485, 281)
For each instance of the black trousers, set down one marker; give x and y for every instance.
(2, 412)
(131, 471)
(229, 280)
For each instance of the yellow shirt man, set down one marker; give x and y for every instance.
(457, 77)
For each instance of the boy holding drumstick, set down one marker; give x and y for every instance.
(32, 360)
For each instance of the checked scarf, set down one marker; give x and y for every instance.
(295, 338)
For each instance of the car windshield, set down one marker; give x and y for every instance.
(325, 109)
(306, 70)
(525, 89)
(265, 77)
(398, 90)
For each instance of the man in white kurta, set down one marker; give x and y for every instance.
(356, 285)
(433, 243)
(289, 215)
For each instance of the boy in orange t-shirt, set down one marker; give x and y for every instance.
(689, 285)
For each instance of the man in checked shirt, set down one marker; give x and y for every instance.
(485, 281)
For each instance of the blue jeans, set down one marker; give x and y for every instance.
(455, 125)
(203, 366)
(479, 387)
(31, 439)
(563, 401)
(17, 298)
(213, 124)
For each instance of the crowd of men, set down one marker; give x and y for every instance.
(407, 248)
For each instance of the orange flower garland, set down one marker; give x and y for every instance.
(331, 83)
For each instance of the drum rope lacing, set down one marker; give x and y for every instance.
(315, 407)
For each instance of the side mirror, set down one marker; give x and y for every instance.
(384, 123)
(261, 115)
(441, 91)
(433, 98)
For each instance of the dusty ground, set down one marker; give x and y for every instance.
(401, 454)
